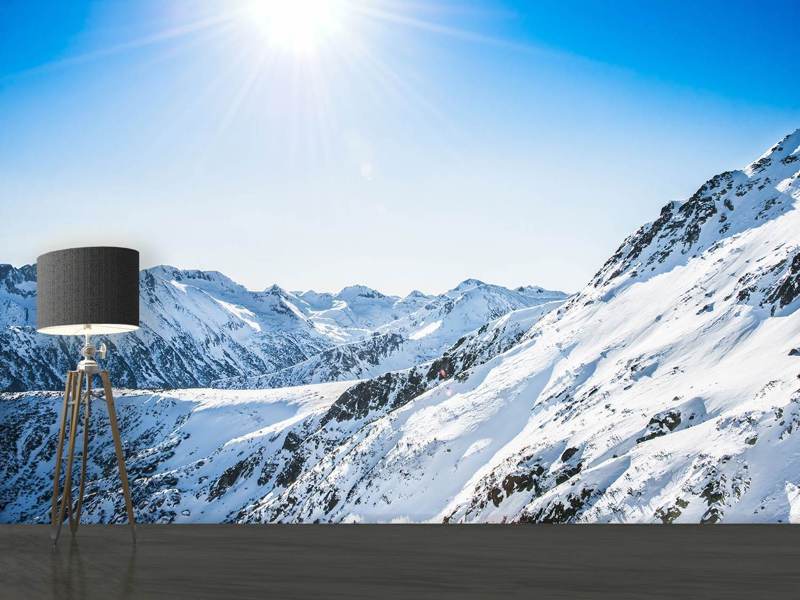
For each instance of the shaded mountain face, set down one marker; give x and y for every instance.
(667, 390)
(200, 326)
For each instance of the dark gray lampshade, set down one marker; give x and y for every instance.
(87, 290)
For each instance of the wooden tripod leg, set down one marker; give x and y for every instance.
(112, 417)
(66, 496)
(86, 401)
(60, 446)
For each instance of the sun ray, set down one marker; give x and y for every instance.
(255, 71)
(317, 45)
(432, 27)
(156, 38)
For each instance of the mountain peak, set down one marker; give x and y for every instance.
(785, 152)
(468, 283)
(276, 290)
(726, 205)
(359, 291)
(168, 271)
(163, 271)
(536, 290)
(21, 281)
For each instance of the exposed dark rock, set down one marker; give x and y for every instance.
(524, 482)
(560, 511)
(568, 453)
(292, 442)
(291, 471)
(789, 287)
(568, 473)
(669, 514)
(243, 468)
(387, 391)
(661, 424)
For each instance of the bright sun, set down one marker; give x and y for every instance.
(300, 26)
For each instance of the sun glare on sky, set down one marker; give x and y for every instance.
(298, 26)
(399, 144)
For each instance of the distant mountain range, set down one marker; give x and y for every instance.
(200, 327)
(406, 332)
(666, 391)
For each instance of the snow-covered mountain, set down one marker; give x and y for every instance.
(667, 390)
(196, 326)
(431, 324)
(356, 311)
(200, 326)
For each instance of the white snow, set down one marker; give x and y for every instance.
(425, 330)
(181, 286)
(242, 313)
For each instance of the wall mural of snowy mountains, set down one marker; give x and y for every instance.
(667, 390)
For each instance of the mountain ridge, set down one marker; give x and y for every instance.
(197, 327)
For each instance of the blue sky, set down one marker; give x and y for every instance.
(417, 144)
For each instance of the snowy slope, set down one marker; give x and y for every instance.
(184, 450)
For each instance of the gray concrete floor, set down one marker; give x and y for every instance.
(402, 561)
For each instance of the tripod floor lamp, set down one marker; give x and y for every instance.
(86, 291)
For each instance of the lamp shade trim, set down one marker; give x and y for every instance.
(81, 329)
